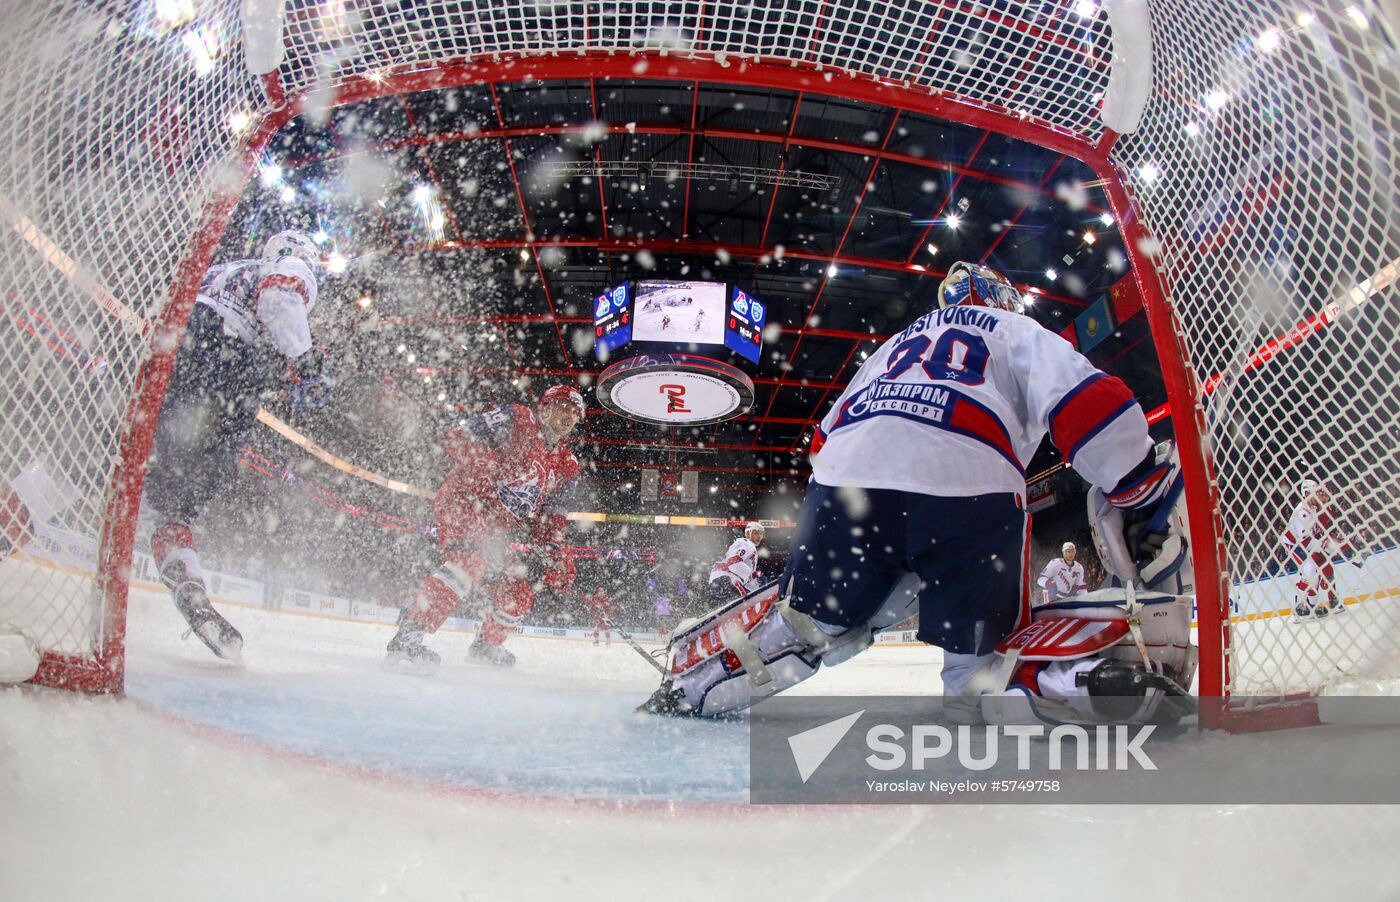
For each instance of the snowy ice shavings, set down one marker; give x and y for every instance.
(1074, 194)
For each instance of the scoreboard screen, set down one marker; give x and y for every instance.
(687, 315)
(680, 312)
(743, 324)
(612, 318)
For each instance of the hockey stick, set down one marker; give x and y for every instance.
(636, 646)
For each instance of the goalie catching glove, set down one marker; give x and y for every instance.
(1140, 527)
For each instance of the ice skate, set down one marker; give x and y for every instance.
(407, 646)
(667, 702)
(487, 653)
(192, 601)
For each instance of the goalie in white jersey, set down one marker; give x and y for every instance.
(248, 332)
(917, 503)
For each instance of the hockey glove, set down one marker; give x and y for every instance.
(1140, 528)
(548, 564)
(313, 381)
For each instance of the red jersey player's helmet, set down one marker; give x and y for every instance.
(979, 286)
(564, 394)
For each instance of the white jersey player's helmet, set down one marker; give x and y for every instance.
(978, 286)
(1310, 488)
(754, 527)
(292, 243)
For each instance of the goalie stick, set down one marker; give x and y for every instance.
(636, 646)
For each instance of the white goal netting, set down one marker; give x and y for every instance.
(1264, 170)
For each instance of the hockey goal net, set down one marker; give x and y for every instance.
(1258, 197)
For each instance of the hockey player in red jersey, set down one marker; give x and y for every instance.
(917, 504)
(600, 608)
(500, 517)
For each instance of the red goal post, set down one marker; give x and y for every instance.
(134, 132)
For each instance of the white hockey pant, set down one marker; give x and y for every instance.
(1314, 584)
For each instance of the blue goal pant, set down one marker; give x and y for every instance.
(853, 546)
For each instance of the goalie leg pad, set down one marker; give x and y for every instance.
(723, 663)
(1138, 644)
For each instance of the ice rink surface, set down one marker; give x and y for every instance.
(314, 774)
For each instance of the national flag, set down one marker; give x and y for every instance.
(1094, 325)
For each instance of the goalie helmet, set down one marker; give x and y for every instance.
(292, 243)
(979, 286)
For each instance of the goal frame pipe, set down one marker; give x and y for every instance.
(118, 538)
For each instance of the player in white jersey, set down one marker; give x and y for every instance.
(1062, 577)
(1312, 540)
(730, 577)
(248, 332)
(916, 503)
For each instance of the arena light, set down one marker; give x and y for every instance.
(1305, 19)
(524, 255)
(364, 302)
(831, 271)
(270, 175)
(1269, 40)
(203, 47)
(402, 348)
(1106, 219)
(933, 250)
(1051, 275)
(1090, 237)
(287, 194)
(337, 263)
(239, 120)
(171, 14)
(1192, 129)
(320, 236)
(412, 358)
(1358, 18)
(954, 220)
(1216, 100)
(1149, 173)
(1086, 9)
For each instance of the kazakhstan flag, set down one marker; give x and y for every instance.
(1094, 325)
